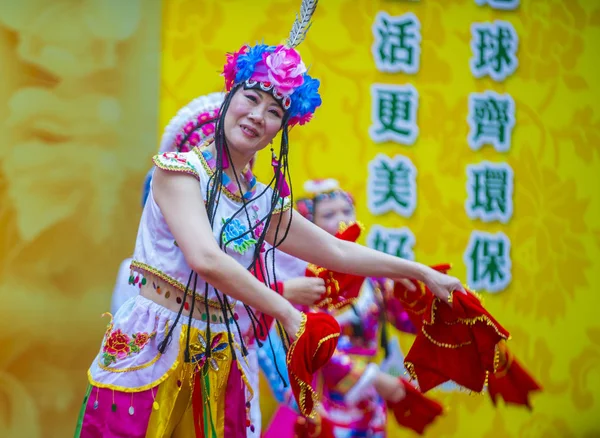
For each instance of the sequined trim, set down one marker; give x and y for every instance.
(141, 388)
(344, 226)
(323, 340)
(443, 344)
(304, 386)
(287, 204)
(325, 303)
(503, 360)
(142, 267)
(183, 167)
(468, 321)
(209, 171)
(245, 379)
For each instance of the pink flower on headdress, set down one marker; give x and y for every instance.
(284, 69)
(230, 68)
(194, 138)
(300, 120)
(208, 129)
(189, 127)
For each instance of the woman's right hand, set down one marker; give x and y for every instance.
(291, 321)
(303, 290)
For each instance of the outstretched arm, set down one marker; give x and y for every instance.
(308, 242)
(180, 200)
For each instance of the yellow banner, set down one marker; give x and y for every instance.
(541, 273)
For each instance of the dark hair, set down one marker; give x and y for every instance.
(214, 189)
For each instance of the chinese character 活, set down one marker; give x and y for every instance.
(398, 242)
(488, 261)
(392, 185)
(397, 46)
(494, 48)
(394, 113)
(491, 120)
(490, 192)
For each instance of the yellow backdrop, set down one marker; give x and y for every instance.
(78, 116)
(79, 101)
(555, 155)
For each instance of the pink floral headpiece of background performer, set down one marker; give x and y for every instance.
(318, 190)
(279, 70)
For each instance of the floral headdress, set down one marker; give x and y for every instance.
(279, 70)
(318, 190)
(193, 124)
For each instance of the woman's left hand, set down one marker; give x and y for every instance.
(442, 285)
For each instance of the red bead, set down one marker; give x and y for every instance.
(178, 299)
(186, 306)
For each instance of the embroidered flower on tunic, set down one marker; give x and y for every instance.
(236, 235)
(119, 345)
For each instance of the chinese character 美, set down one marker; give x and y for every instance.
(394, 113)
(488, 262)
(494, 48)
(491, 120)
(392, 185)
(398, 242)
(490, 192)
(505, 5)
(397, 46)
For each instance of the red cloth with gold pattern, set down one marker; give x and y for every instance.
(306, 428)
(511, 381)
(456, 342)
(462, 343)
(415, 411)
(336, 281)
(315, 344)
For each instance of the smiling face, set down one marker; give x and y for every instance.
(252, 121)
(329, 213)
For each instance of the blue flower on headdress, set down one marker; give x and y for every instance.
(246, 62)
(306, 98)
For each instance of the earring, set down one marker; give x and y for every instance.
(282, 185)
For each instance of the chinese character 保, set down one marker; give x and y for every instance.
(391, 185)
(494, 47)
(491, 120)
(488, 262)
(397, 45)
(394, 113)
(398, 242)
(490, 192)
